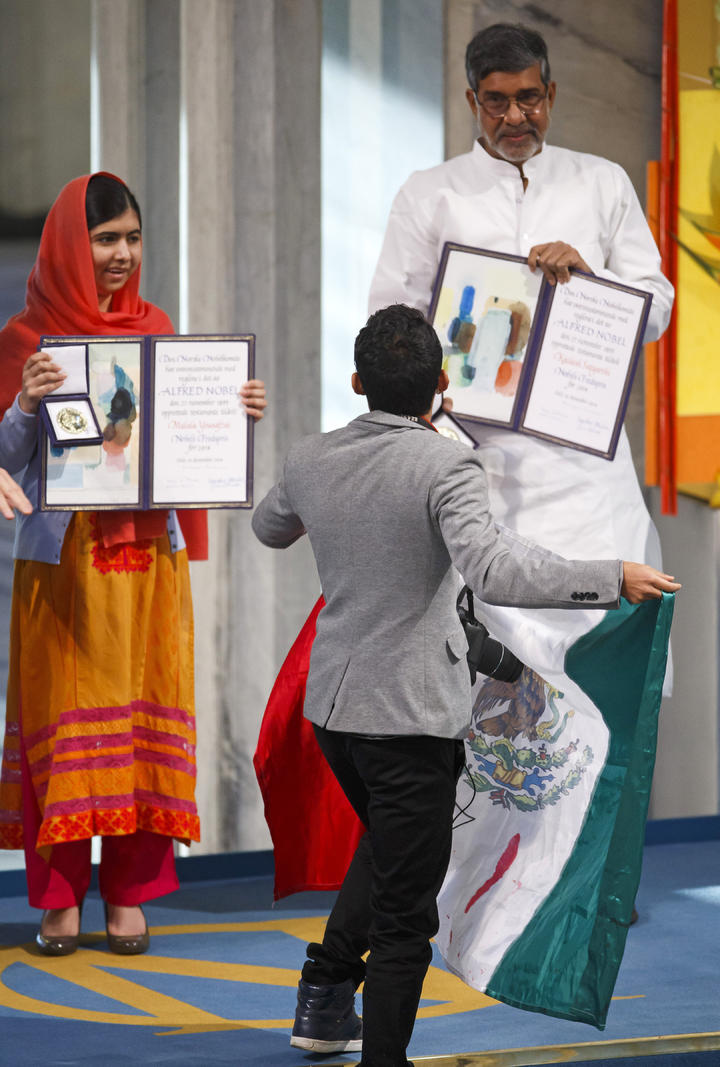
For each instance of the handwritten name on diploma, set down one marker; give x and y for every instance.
(585, 374)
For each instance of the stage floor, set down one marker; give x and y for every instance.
(218, 986)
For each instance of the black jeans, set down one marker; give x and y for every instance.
(403, 789)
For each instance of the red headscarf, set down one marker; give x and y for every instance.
(61, 300)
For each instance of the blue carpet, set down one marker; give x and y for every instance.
(219, 983)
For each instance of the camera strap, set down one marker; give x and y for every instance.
(468, 610)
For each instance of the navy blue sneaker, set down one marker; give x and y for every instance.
(325, 1020)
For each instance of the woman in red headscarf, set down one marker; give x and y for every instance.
(100, 725)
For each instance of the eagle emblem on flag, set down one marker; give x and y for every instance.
(515, 747)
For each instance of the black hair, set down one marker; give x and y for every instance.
(106, 198)
(507, 47)
(398, 358)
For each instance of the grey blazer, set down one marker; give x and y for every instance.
(393, 511)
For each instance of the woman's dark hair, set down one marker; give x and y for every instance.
(508, 48)
(105, 199)
(398, 358)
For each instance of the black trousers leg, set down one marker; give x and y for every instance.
(403, 788)
(340, 956)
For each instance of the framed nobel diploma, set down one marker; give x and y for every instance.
(553, 361)
(171, 430)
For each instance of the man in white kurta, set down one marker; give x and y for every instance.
(513, 193)
(560, 209)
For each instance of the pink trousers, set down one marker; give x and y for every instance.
(133, 867)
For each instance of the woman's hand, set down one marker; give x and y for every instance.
(40, 377)
(12, 496)
(252, 397)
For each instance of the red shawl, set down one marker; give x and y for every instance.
(61, 300)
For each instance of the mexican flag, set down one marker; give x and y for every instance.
(551, 809)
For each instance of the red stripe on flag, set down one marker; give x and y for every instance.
(503, 864)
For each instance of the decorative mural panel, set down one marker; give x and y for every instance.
(686, 455)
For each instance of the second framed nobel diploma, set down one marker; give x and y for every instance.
(174, 432)
(552, 361)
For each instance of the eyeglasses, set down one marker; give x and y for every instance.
(528, 101)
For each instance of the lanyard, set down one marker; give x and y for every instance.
(421, 421)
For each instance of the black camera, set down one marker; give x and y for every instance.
(485, 654)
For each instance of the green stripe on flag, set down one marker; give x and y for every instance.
(566, 960)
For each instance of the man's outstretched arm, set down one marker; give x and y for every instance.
(274, 521)
(522, 575)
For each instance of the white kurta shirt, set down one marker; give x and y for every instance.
(478, 200)
(577, 504)
(572, 502)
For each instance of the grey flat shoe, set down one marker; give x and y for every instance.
(64, 945)
(127, 945)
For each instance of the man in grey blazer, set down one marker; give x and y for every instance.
(394, 511)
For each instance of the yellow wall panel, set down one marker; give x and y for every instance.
(698, 281)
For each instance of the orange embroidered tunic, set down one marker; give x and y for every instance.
(100, 697)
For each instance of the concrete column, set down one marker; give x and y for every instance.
(460, 25)
(117, 80)
(161, 156)
(217, 109)
(44, 88)
(135, 125)
(687, 768)
(263, 133)
(207, 281)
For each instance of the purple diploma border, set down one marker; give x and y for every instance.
(143, 425)
(534, 345)
(151, 503)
